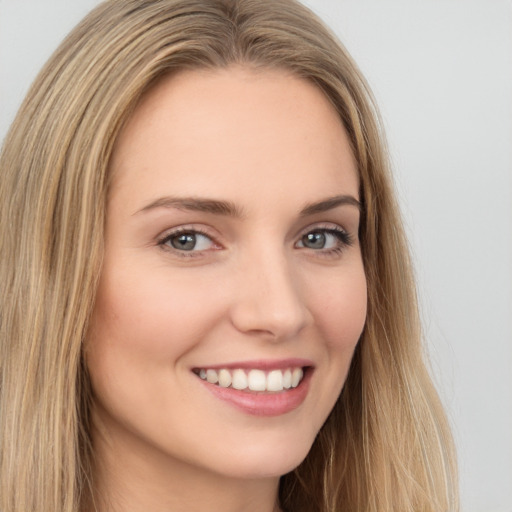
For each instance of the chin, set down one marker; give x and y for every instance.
(255, 461)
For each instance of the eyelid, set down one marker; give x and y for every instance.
(323, 226)
(187, 229)
(345, 238)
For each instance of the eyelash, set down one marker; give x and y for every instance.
(184, 231)
(344, 240)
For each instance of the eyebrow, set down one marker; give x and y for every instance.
(196, 204)
(229, 209)
(329, 204)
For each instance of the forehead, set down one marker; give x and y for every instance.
(201, 131)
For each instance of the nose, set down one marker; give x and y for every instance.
(268, 299)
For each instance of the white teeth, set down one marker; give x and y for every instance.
(257, 380)
(254, 380)
(224, 378)
(297, 377)
(212, 377)
(275, 381)
(287, 379)
(239, 380)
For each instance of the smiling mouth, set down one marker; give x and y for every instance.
(254, 379)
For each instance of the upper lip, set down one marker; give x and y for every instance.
(261, 364)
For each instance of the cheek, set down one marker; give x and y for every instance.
(141, 329)
(149, 317)
(339, 308)
(339, 305)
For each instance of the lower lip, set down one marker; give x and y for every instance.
(260, 403)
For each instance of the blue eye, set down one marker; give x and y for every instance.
(188, 241)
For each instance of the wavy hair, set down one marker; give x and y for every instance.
(386, 446)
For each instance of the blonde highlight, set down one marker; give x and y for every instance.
(386, 445)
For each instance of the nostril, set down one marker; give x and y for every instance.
(268, 300)
(274, 322)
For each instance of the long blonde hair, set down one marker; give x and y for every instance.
(386, 446)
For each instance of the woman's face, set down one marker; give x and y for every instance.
(231, 254)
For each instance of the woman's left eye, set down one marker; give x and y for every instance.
(325, 239)
(188, 241)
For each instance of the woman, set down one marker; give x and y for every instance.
(207, 296)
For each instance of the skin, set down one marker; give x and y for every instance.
(269, 144)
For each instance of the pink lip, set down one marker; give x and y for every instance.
(260, 403)
(262, 364)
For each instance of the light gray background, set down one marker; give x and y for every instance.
(442, 73)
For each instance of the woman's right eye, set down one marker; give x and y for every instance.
(187, 241)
